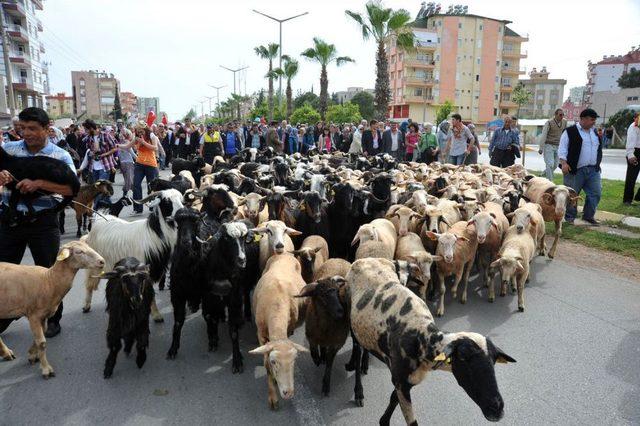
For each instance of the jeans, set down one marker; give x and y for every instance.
(127, 174)
(630, 179)
(43, 239)
(550, 153)
(141, 172)
(100, 175)
(456, 159)
(588, 179)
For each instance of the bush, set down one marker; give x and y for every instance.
(364, 100)
(621, 121)
(443, 111)
(346, 113)
(305, 114)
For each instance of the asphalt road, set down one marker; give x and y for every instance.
(577, 346)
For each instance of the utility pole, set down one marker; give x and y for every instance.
(7, 64)
(202, 109)
(234, 81)
(218, 96)
(280, 21)
(209, 98)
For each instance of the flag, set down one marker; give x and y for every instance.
(165, 121)
(151, 118)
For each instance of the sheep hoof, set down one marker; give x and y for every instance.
(9, 356)
(48, 373)
(439, 314)
(86, 309)
(359, 402)
(273, 405)
(172, 353)
(521, 308)
(492, 299)
(107, 374)
(550, 256)
(33, 360)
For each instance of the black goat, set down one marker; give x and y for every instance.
(195, 166)
(178, 182)
(341, 220)
(313, 218)
(129, 295)
(35, 168)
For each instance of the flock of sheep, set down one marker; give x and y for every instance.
(346, 245)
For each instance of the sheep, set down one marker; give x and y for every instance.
(313, 252)
(553, 199)
(513, 261)
(442, 216)
(396, 326)
(331, 268)
(186, 174)
(83, 203)
(458, 248)
(378, 230)
(197, 167)
(179, 182)
(326, 323)
(529, 217)
(491, 225)
(38, 167)
(277, 242)
(254, 209)
(151, 239)
(129, 294)
(277, 314)
(403, 219)
(36, 292)
(410, 249)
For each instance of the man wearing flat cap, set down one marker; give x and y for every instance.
(580, 154)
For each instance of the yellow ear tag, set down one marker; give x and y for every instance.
(64, 254)
(302, 207)
(257, 237)
(441, 357)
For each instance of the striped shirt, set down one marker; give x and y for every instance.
(19, 149)
(99, 144)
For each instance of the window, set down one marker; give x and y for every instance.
(497, 63)
(399, 92)
(82, 82)
(460, 25)
(496, 98)
(437, 57)
(480, 27)
(497, 79)
(476, 97)
(459, 42)
(458, 58)
(457, 93)
(392, 75)
(495, 112)
(393, 59)
(417, 92)
(399, 74)
(400, 56)
(479, 44)
(477, 77)
(500, 29)
(457, 76)
(478, 61)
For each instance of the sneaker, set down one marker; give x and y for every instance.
(592, 221)
(53, 329)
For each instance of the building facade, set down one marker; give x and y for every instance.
(547, 94)
(144, 105)
(60, 105)
(469, 60)
(128, 103)
(94, 93)
(28, 69)
(577, 94)
(347, 95)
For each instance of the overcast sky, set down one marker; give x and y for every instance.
(174, 49)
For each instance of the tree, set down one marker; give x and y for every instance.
(305, 114)
(324, 54)
(289, 71)
(630, 79)
(269, 52)
(191, 114)
(117, 109)
(364, 100)
(621, 120)
(306, 98)
(521, 96)
(381, 24)
(443, 111)
(345, 113)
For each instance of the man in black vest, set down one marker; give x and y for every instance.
(580, 154)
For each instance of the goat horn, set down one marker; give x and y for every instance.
(201, 241)
(147, 198)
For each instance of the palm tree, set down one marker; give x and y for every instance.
(269, 52)
(290, 70)
(324, 53)
(381, 23)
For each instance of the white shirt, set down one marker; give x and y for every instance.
(394, 141)
(633, 139)
(588, 153)
(97, 164)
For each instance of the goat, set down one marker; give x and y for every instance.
(35, 292)
(313, 252)
(129, 294)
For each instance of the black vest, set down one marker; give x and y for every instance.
(575, 146)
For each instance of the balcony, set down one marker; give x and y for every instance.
(418, 81)
(18, 33)
(14, 9)
(426, 46)
(419, 63)
(513, 71)
(42, 49)
(24, 84)
(516, 39)
(39, 24)
(19, 58)
(506, 88)
(508, 104)
(415, 99)
(514, 54)
(38, 4)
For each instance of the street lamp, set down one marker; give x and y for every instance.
(280, 21)
(209, 98)
(234, 81)
(217, 94)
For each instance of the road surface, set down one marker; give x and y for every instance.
(577, 346)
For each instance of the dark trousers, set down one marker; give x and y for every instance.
(43, 239)
(502, 158)
(630, 179)
(141, 172)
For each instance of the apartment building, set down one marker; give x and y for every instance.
(28, 69)
(347, 95)
(148, 104)
(60, 105)
(128, 103)
(472, 61)
(548, 94)
(94, 93)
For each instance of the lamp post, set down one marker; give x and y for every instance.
(280, 21)
(209, 98)
(217, 95)
(234, 81)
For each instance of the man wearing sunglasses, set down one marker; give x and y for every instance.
(549, 141)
